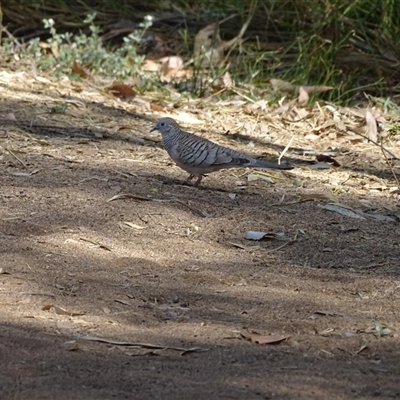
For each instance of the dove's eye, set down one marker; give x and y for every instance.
(162, 124)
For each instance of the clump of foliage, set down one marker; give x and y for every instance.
(61, 50)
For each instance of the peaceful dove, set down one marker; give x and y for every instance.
(199, 156)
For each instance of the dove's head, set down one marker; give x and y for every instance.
(166, 126)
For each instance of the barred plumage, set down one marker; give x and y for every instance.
(200, 156)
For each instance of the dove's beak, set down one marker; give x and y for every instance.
(153, 129)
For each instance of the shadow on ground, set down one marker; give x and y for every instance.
(48, 366)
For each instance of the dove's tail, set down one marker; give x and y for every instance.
(267, 164)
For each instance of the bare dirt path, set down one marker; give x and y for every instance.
(175, 272)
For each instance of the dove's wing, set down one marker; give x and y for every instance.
(197, 152)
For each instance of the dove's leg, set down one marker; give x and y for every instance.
(197, 183)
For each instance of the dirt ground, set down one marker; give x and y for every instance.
(158, 295)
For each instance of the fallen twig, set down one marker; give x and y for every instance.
(195, 210)
(285, 149)
(15, 156)
(102, 246)
(375, 265)
(27, 293)
(128, 196)
(144, 345)
(391, 167)
(285, 244)
(376, 144)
